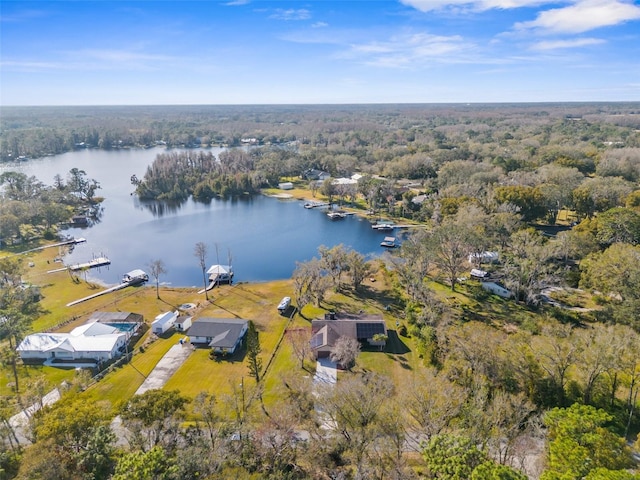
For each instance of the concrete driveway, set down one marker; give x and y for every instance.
(166, 367)
(326, 372)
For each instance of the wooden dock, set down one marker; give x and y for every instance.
(115, 288)
(94, 263)
(73, 241)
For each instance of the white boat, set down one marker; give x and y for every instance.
(383, 226)
(135, 276)
(336, 215)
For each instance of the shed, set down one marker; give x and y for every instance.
(182, 324)
(285, 186)
(483, 257)
(164, 322)
(477, 273)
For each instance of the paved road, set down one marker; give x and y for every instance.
(20, 421)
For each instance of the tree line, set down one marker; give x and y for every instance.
(30, 209)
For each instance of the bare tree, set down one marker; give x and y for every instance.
(200, 252)
(355, 407)
(299, 340)
(157, 268)
(345, 351)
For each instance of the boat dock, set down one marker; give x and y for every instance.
(135, 277)
(388, 242)
(218, 274)
(383, 226)
(94, 263)
(72, 241)
(316, 204)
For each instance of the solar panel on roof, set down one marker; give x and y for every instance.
(368, 330)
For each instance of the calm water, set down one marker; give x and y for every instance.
(264, 237)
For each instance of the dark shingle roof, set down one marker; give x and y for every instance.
(224, 332)
(359, 326)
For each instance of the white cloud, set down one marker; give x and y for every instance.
(563, 44)
(478, 5)
(291, 14)
(320, 25)
(583, 16)
(410, 50)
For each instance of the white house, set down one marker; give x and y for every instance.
(93, 341)
(164, 322)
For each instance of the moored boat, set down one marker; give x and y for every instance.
(336, 215)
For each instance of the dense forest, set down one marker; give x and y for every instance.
(543, 199)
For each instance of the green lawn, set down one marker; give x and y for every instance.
(120, 384)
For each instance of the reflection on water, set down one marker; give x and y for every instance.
(264, 236)
(159, 208)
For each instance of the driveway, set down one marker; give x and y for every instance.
(326, 372)
(166, 367)
(20, 421)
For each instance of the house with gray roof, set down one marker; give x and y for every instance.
(361, 326)
(220, 334)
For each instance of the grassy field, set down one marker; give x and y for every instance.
(256, 302)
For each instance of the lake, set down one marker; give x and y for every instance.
(263, 237)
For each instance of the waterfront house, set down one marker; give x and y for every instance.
(362, 327)
(103, 337)
(314, 174)
(223, 335)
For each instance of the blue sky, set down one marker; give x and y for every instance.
(263, 52)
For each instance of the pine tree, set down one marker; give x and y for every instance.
(253, 352)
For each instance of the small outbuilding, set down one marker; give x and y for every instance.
(182, 324)
(483, 257)
(285, 186)
(497, 289)
(477, 273)
(164, 322)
